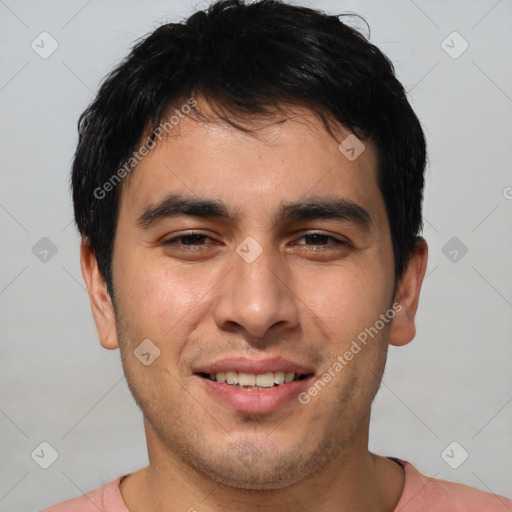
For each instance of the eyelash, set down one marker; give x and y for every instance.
(171, 241)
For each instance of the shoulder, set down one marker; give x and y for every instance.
(106, 498)
(424, 494)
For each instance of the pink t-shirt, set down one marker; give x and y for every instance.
(420, 494)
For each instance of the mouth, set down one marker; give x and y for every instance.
(252, 381)
(250, 387)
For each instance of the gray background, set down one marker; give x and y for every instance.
(453, 383)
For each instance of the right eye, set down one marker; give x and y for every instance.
(189, 241)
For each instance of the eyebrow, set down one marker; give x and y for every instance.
(335, 208)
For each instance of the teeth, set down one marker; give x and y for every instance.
(253, 381)
(232, 377)
(265, 380)
(279, 377)
(247, 379)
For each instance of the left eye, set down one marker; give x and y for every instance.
(320, 239)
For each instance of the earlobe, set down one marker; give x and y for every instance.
(101, 302)
(407, 296)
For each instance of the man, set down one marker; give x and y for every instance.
(248, 188)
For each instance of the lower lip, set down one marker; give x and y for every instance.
(259, 401)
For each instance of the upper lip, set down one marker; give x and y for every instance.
(256, 366)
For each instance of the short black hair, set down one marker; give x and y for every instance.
(247, 59)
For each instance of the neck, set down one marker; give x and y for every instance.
(355, 480)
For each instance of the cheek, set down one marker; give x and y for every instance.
(345, 301)
(159, 300)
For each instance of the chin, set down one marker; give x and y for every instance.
(253, 478)
(251, 467)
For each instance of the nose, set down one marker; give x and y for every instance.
(257, 297)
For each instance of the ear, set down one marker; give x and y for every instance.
(101, 302)
(407, 296)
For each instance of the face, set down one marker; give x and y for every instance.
(271, 255)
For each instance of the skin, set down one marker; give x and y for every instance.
(303, 299)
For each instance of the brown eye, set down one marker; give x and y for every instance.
(320, 239)
(187, 240)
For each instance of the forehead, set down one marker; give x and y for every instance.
(279, 161)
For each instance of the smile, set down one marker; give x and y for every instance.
(252, 381)
(254, 393)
